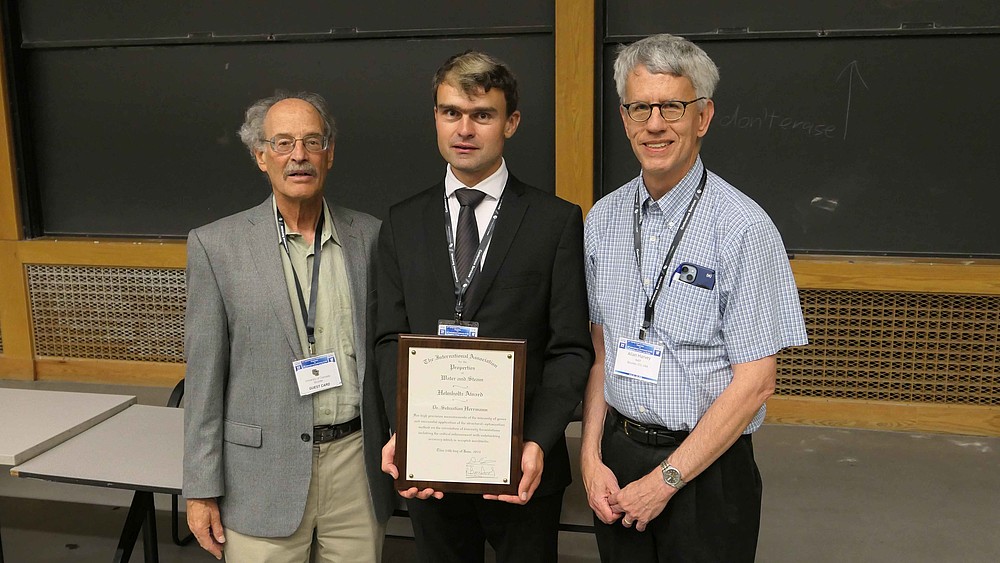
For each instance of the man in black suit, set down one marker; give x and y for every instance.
(527, 281)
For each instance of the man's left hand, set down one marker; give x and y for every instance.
(389, 466)
(532, 461)
(642, 500)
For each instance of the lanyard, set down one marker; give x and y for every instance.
(461, 286)
(647, 318)
(308, 315)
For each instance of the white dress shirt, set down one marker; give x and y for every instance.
(492, 186)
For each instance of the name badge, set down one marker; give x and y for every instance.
(316, 374)
(451, 327)
(637, 359)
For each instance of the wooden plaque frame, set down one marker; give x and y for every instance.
(518, 348)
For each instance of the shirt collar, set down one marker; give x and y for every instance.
(493, 185)
(679, 195)
(329, 232)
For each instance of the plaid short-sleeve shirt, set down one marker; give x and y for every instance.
(752, 312)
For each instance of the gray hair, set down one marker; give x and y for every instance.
(252, 130)
(668, 54)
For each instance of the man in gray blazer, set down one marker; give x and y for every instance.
(280, 317)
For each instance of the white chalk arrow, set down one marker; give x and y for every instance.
(851, 70)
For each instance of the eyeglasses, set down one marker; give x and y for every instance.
(669, 111)
(284, 144)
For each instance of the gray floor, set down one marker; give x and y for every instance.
(829, 495)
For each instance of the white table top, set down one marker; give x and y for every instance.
(141, 449)
(32, 421)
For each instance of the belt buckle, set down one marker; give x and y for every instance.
(321, 435)
(630, 426)
(625, 426)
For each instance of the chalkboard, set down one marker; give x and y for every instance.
(638, 18)
(139, 139)
(102, 22)
(142, 141)
(867, 145)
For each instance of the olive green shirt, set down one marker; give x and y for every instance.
(334, 317)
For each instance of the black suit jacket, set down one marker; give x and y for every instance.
(532, 286)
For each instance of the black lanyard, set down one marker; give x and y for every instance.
(647, 318)
(461, 286)
(308, 315)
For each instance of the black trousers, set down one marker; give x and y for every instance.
(715, 518)
(454, 529)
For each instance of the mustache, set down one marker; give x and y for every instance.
(303, 167)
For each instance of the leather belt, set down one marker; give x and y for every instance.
(331, 432)
(648, 434)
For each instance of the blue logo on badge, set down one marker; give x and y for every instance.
(456, 330)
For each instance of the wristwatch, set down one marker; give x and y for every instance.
(671, 475)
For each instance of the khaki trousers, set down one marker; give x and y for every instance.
(338, 512)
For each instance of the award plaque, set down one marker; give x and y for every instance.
(460, 414)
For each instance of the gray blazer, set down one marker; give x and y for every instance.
(247, 432)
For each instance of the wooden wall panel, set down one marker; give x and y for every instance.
(15, 318)
(981, 277)
(872, 415)
(10, 221)
(104, 252)
(153, 374)
(575, 101)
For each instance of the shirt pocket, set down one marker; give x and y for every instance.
(690, 314)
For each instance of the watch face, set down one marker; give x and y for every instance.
(672, 477)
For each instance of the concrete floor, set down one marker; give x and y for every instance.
(830, 495)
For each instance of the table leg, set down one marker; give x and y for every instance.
(141, 515)
(175, 532)
(1, 543)
(149, 546)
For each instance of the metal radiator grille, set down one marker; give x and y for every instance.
(108, 313)
(896, 346)
(867, 345)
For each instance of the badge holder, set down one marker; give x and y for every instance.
(636, 359)
(455, 327)
(316, 374)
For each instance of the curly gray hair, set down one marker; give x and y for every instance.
(252, 130)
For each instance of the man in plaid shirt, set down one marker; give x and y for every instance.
(691, 297)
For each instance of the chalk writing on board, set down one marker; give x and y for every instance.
(766, 120)
(852, 70)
